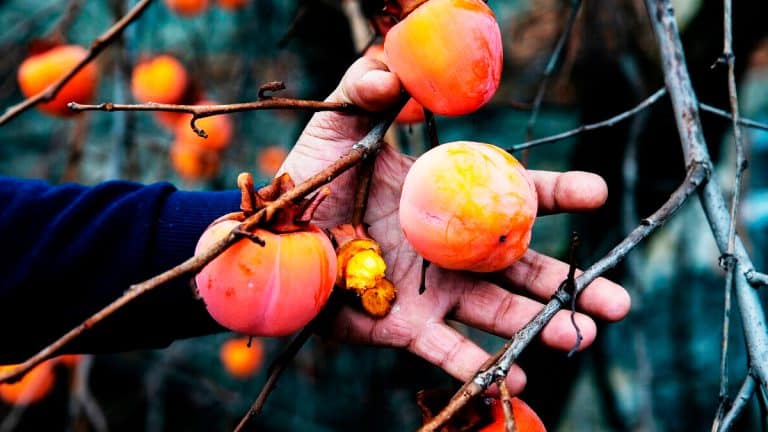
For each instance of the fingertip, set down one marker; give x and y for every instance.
(377, 90)
(569, 191)
(562, 334)
(369, 85)
(618, 307)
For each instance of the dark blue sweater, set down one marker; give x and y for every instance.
(67, 251)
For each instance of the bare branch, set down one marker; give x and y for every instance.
(742, 121)
(97, 46)
(742, 398)
(684, 102)
(275, 370)
(756, 278)
(500, 363)
(589, 127)
(550, 68)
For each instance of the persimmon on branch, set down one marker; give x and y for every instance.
(97, 46)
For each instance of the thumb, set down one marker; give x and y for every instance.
(369, 85)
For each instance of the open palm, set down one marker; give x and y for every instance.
(417, 322)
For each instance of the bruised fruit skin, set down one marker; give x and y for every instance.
(31, 388)
(39, 71)
(468, 206)
(270, 290)
(448, 55)
(161, 79)
(526, 419)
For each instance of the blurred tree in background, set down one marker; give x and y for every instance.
(657, 370)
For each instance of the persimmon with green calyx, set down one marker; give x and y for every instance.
(274, 288)
(526, 419)
(39, 71)
(448, 55)
(468, 206)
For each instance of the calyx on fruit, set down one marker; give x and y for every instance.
(279, 276)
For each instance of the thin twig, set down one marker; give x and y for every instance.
(742, 121)
(97, 46)
(364, 180)
(741, 164)
(500, 363)
(685, 107)
(202, 111)
(589, 127)
(368, 144)
(756, 278)
(506, 405)
(739, 403)
(550, 68)
(275, 370)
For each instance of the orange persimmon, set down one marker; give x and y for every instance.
(448, 55)
(270, 290)
(162, 79)
(187, 7)
(468, 206)
(240, 359)
(526, 419)
(31, 388)
(41, 70)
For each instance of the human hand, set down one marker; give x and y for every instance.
(417, 322)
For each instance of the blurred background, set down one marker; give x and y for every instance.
(658, 370)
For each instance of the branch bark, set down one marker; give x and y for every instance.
(695, 151)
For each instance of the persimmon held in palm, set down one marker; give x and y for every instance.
(468, 206)
(40, 71)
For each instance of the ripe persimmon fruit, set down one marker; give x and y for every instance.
(270, 159)
(192, 162)
(31, 388)
(187, 7)
(468, 206)
(162, 79)
(448, 55)
(526, 419)
(39, 71)
(270, 290)
(242, 356)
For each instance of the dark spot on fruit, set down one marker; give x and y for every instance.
(502, 239)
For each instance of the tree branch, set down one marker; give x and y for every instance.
(500, 363)
(685, 106)
(97, 46)
(742, 397)
(589, 127)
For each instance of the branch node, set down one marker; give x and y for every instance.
(272, 86)
(727, 262)
(200, 132)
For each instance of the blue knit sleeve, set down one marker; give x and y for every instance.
(69, 250)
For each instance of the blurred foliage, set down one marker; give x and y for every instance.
(657, 370)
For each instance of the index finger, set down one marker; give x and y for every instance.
(569, 191)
